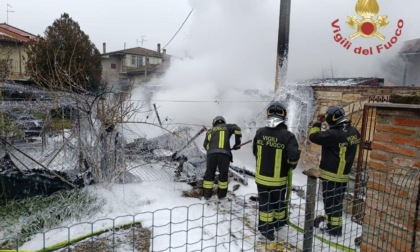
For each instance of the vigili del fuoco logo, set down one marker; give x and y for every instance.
(367, 26)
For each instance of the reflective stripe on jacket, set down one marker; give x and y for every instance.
(276, 151)
(218, 138)
(339, 148)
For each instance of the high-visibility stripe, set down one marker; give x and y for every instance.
(279, 215)
(259, 150)
(342, 163)
(208, 184)
(266, 216)
(208, 141)
(222, 185)
(336, 221)
(270, 181)
(334, 177)
(221, 139)
(314, 130)
(277, 163)
(276, 180)
(237, 132)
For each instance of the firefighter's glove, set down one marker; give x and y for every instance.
(236, 147)
(317, 125)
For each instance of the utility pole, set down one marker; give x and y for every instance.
(7, 11)
(282, 43)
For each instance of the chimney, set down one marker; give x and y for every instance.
(158, 47)
(104, 47)
(164, 51)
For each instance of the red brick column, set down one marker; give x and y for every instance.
(393, 181)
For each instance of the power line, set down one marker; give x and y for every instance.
(179, 28)
(203, 101)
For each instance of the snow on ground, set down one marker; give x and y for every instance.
(178, 220)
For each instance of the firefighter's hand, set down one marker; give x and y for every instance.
(292, 165)
(320, 118)
(236, 147)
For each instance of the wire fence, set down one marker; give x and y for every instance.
(229, 225)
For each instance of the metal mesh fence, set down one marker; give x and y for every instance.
(230, 225)
(391, 214)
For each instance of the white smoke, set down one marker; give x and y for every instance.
(231, 50)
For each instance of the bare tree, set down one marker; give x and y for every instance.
(67, 75)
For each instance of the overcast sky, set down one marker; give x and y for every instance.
(244, 25)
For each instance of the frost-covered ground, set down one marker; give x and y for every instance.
(158, 203)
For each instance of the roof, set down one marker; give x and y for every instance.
(359, 81)
(137, 51)
(15, 34)
(16, 30)
(411, 46)
(7, 38)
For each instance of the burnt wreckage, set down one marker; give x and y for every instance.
(176, 154)
(17, 183)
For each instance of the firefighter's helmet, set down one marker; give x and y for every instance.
(335, 115)
(276, 109)
(218, 120)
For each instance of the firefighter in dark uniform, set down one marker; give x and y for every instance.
(339, 146)
(219, 155)
(276, 151)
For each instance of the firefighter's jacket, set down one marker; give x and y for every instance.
(218, 138)
(276, 151)
(339, 148)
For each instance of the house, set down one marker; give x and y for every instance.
(410, 52)
(12, 52)
(133, 65)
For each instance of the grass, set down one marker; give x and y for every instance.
(21, 218)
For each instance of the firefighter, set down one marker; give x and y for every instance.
(276, 151)
(219, 155)
(339, 146)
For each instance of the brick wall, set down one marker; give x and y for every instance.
(393, 164)
(352, 99)
(393, 184)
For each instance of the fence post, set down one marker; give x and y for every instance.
(308, 233)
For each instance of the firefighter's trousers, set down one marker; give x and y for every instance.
(214, 161)
(333, 196)
(272, 208)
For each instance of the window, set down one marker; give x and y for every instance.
(136, 60)
(113, 66)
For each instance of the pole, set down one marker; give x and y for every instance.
(157, 114)
(308, 235)
(289, 192)
(175, 155)
(405, 69)
(282, 43)
(242, 144)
